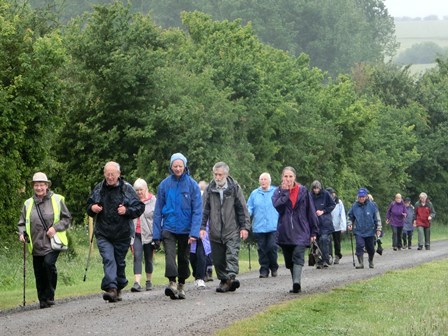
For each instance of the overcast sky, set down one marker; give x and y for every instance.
(417, 8)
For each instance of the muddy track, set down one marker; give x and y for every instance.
(203, 311)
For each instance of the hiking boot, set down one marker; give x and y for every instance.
(274, 273)
(180, 291)
(330, 260)
(110, 295)
(209, 275)
(336, 260)
(409, 247)
(148, 285)
(171, 290)
(136, 287)
(223, 287)
(119, 298)
(263, 275)
(427, 248)
(360, 262)
(394, 248)
(319, 266)
(43, 304)
(420, 247)
(50, 302)
(326, 265)
(234, 284)
(296, 288)
(199, 284)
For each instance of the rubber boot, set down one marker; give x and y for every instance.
(296, 274)
(371, 262)
(360, 262)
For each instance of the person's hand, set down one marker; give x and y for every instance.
(429, 218)
(349, 227)
(378, 233)
(387, 221)
(313, 239)
(244, 234)
(51, 232)
(156, 244)
(319, 213)
(22, 238)
(415, 223)
(202, 234)
(96, 208)
(191, 240)
(121, 210)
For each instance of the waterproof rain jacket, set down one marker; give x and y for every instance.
(178, 206)
(225, 220)
(323, 201)
(362, 217)
(109, 224)
(296, 225)
(396, 214)
(422, 213)
(264, 215)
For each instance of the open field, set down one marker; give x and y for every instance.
(413, 32)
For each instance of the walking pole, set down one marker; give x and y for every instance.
(248, 246)
(353, 252)
(24, 272)
(91, 227)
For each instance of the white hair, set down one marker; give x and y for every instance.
(113, 164)
(423, 195)
(140, 184)
(267, 175)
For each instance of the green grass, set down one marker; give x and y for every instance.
(71, 266)
(409, 33)
(406, 302)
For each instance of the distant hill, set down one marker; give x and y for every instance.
(413, 32)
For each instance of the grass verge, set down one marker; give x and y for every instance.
(405, 302)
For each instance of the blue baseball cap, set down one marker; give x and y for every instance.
(362, 192)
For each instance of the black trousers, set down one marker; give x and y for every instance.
(46, 275)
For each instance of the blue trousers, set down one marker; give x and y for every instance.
(267, 251)
(114, 262)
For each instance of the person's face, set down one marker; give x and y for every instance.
(362, 199)
(398, 199)
(141, 193)
(111, 174)
(423, 199)
(40, 189)
(316, 190)
(264, 182)
(219, 175)
(288, 178)
(178, 168)
(407, 203)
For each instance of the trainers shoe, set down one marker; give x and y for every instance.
(336, 260)
(180, 291)
(136, 287)
(234, 284)
(295, 288)
(148, 285)
(171, 290)
(199, 284)
(110, 295)
(330, 260)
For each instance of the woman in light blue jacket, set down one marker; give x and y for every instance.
(264, 225)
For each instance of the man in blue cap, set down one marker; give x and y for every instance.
(177, 220)
(364, 223)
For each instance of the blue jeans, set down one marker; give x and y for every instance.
(114, 262)
(267, 251)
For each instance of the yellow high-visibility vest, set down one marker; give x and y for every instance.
(55, 202)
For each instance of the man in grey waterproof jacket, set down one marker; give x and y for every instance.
(225, 211)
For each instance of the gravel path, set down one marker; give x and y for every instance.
(203, 311)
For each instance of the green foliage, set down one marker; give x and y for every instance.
(30, 102)
(421, 53)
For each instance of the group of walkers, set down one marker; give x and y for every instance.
(202, 224)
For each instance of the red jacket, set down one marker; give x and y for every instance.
(422, 213)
